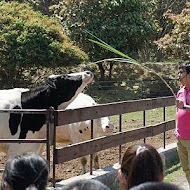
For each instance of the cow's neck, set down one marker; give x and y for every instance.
(39, 98)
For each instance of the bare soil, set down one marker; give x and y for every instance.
(106, 158)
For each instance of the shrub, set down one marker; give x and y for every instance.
(29, 38)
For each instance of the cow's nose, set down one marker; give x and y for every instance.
(90, 73)
(109, 128)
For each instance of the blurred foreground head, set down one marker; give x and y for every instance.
(141, 163)
(25, 171)
(85, 184)
(156, 186)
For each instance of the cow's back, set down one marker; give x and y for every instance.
(82, 100)
(8, 100)
(80, 131)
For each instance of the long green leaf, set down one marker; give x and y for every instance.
(110, 48)
(126, 58)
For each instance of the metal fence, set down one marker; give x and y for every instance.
(61, 117)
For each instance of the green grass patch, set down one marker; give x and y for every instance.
(135, 119)
(173, 172)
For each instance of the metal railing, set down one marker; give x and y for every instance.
(56, 118)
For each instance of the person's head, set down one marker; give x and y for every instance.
(156, 186)
(25, 171)
(184, 73)
(140, 163)
(85, 184)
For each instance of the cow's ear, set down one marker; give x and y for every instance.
(51, 82)
(14, 121)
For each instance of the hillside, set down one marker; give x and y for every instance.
(128, 81)
(131, 82)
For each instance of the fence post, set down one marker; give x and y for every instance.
(120, 130)
(52, 138)
(47, 135)
(144, 122)
(51, 121)
(92, 136)
(164, 118)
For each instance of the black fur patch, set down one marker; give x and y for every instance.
(63, 90)
(31, 122)
(14, 121)
(80, 131)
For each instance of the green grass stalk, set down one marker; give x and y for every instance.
(126, 59)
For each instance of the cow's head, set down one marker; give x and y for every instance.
(107, 125)
(104, 126)
(68, 86)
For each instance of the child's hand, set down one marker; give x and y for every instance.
(179, 104)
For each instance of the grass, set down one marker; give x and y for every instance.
(173, 173)
(135, 119)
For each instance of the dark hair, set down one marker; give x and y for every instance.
(141, 163)
(25, 171)
(156, 186)
(85, 184)
(186, 66)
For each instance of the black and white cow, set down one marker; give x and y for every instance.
(59, 89)
(81, 131)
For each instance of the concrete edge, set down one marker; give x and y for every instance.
(108, 175)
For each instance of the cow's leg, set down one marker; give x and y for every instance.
(83, 162)
(96, 162)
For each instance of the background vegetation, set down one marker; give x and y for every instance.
(28, 39)
(122, 24)
(41, 37)
(34, 44)
(176, 44)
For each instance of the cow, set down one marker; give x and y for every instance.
(58, 90)
(81, 131)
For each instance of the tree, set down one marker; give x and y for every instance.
(120, 23)
(176, 44)
(158, 8)
(157, 11)
(28, 38)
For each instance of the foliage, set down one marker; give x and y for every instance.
(39, 5)
(121, 23)
(177, 43)
(157, 10)
(28, 38)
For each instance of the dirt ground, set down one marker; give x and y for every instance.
(106, 158)
(110, 156)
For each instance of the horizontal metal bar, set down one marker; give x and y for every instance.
(25, 111)
(23, 140)
(109, 109)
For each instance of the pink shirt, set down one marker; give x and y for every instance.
(183, 116)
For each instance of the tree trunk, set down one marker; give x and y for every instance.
(110, 70)
(102, 71)
(159, 56)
